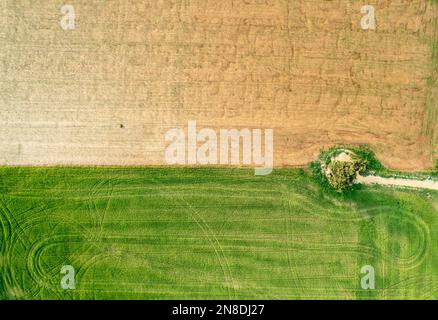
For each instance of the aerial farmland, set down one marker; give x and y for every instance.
(228, 149)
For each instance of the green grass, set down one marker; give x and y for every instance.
(210, 233)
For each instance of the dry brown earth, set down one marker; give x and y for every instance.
(304, 68)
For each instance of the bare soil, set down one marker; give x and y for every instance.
(105, 93)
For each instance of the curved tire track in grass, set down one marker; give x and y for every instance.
(407, 263)
(43, 278)
(211, 237)
(5, 264)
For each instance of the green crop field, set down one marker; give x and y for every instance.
(210, 233)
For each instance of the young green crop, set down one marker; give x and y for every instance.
(210, 233)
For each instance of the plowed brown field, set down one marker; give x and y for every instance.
(105, 93)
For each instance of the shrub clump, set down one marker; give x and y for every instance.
(336, 168)
(342, 174)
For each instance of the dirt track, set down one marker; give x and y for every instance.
(105, 93)
(411, 183)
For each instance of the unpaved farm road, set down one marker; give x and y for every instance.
(422, 184)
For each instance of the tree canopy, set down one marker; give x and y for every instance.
(341, 174)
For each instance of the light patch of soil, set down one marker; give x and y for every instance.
(303, 68)
(344, 156)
